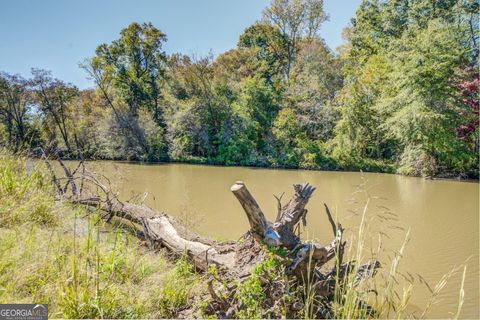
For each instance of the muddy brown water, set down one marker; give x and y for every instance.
(442, 215)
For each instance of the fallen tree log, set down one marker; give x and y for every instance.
(234, 260)
(160, 230)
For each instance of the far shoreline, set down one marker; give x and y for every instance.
(200, 162)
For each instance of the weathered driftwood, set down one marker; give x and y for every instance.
(281, 233)
(235, 259)
(163, 231)
(156, 228)
(160, 230)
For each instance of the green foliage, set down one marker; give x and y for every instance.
(253, 113)
(400, 95)
(24, 193)
(423, 114)
(294, 148)
(286, 130)
(67, 257)
(271, 49)
(54, 98)
(358, 131)
(133, 64)
(129, 74)
(314, 81)
(15, 113)
(296, 20)
(398, 102)
(177, 288)
(251, 294)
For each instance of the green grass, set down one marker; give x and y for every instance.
(24, 194)
(251, 294)
(179, 286)
(67, 257)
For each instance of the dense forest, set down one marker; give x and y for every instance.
(400, 95)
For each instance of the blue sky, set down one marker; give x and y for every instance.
(58, 34)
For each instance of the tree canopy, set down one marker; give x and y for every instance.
(400, 95)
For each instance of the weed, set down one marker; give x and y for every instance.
(177, 288)
(65, 256)
(24, 193)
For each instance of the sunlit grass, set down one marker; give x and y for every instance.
(24, 193)
(178, 287)
(65, 256)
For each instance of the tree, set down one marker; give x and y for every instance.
(270, 49)
(134, 65)
(401, 92)
(15, 104)
(207, 99)
(53, 97)
(258, 106)
(88, 113)
(365, 69)
(422, 112)
(295, 19)
(400, 100)
(129, 73)
(315, 80)
(286, 131)
(358, 133)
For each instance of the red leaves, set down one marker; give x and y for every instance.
(468, 87)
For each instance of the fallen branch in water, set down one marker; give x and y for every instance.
(234, 261)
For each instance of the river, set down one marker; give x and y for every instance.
(442, 215)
